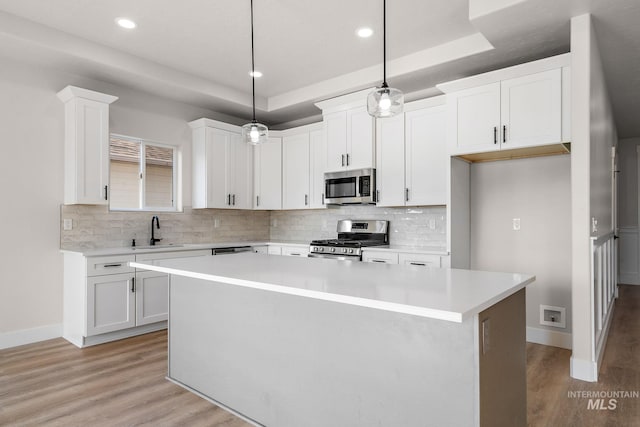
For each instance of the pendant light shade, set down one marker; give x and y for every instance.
(254, 133)
(385, 101)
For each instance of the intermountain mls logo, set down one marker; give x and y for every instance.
(603, 400)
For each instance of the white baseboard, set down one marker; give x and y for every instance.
(547, 337)
(629, 279)
(30, 336)
(585, 370)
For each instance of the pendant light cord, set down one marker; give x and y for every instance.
(253, 69)
(384, 43)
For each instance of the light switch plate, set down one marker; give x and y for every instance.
(67, 224)
(516, 224)
(216, 223)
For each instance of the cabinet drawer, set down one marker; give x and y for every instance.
(172, 255)
(274, 250)
(295, 251)
(260, 249)
(98, 266)
(380, 257)
(422, 260)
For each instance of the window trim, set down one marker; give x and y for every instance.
(176, 170)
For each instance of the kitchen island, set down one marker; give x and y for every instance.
(284, 341)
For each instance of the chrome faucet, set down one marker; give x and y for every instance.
(153, 240)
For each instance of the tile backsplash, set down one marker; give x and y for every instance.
(96, 227)
(415, 226)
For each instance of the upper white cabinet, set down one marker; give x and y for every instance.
(222, 166)
(268, 174)
(295, 171)
(348, 132)
(522, 106)
(303, 165)
(86, 169)
(412, 156)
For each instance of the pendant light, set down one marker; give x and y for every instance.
(385, 101)
(254, 133)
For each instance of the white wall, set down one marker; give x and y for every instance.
(538, 192)
(629, 243)
(593, 134)
(31, 184)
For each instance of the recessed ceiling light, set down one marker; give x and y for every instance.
(364, 32)
(126, 23)
(257, 74)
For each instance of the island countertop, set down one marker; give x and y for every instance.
(438, 293)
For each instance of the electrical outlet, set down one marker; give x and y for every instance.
(516, 224)
(553, 316)
(216, 223)
(432, 224)
(594, 225)
(67, 224)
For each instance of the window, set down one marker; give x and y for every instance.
(142, 174)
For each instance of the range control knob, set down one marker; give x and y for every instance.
(350, 251)
(344, 250)
(321, 249)
(333, 249)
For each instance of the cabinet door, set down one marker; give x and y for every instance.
(295, 172)
(335, 133)
(242, 191)
(268, 175)
(152, 297)
(360, 148)
(422, 260)
(531, 109)
(390, 173)
(386, 257)
(274, 250)
(318, 165)
(426, 157)
(88, 155)
(474, 119)
(295, 251)
(217, 165)
(110, 303)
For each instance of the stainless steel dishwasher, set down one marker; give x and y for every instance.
(229, 250)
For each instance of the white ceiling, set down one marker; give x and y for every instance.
(198, 51)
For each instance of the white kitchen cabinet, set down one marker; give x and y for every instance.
(301, 251)
(105, 299)
(110, 303)
(412, 155)
(222, 166)
(303, 166)
(318, 165)
(274, 250)
(423, 260)
(260, 249)
(295, 171)
(349, 139)
(524, 111)
(86, 152)
(268, 175)
(386, 257)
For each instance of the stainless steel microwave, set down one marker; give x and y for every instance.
(350, 187)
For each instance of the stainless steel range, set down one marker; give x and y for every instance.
(353, 235)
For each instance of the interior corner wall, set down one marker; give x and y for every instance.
(31, 183)
(537, 191)
(593, 134)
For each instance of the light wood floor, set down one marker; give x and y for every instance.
(123, 383)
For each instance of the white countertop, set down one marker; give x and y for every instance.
(175, 248)
(445, 294)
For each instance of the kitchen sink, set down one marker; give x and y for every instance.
(157, 247)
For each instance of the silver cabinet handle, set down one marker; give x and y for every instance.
(257, 200)
(306, 199)
(379, 260)
(418, 263)
(343, 160)
(323, 198)
(504, 133)
(228, 199)
(112, 265)
(377, 195)
(406, 194)
(495, 135)
(133, 284)
(234, 200)
(106, 192)
(347, 159)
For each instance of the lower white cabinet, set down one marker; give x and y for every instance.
(105, 299)
(380, 257)
(423, 260)
(288, 250)
(260, 249)
(110, 303)
(406, 258)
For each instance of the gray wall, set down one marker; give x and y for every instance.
(537, 191)
(628, 182)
